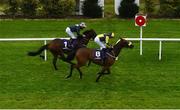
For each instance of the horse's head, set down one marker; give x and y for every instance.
(121, 43)
(90, 33)
(124, 43)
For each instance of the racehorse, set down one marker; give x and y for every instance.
(83, 55)
(60, 46)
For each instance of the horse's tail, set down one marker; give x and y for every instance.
(38, 51)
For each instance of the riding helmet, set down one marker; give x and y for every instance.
(82, 24)
(111, 34)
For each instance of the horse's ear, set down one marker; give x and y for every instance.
(122, 38)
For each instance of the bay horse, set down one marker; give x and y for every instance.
(59, 47)
(83, 55)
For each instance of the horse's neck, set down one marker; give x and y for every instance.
(117, 49)
(85, 40)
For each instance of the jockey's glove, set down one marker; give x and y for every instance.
(108, 45)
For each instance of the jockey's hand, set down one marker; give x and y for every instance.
(109, 45)
(84, 35)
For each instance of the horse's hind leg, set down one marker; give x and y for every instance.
(42, 56)
(97, 79)
(80, 73)
(71, 70)
(54, 62)
(80, 64)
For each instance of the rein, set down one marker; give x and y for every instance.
(112, 56)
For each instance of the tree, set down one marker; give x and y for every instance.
(58, 8)
(128, 9)
(13, 7)
(169, 8)
(92, 9)
(28, 7)
(149, 6)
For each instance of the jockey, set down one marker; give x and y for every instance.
(75, 29)
(103, 41)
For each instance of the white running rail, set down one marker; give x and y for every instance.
(31, 39)
(156, 39)
(131, 39)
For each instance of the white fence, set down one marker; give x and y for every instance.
(160, 40)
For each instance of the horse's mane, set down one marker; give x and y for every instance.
(90, 30)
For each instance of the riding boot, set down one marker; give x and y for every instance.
(75, 43)
(104, 50)
(71, 55)
(72, 43)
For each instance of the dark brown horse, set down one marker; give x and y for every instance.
(60, 47)
(84, 55)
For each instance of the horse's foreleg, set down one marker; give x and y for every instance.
(54, 62)
(89, 62)
(103, 73)
(108, 71)
(100, 74)
(71, 70)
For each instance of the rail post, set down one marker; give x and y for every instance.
(160, 50)
(141, 48)
(45, 52)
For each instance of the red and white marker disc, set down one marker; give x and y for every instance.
(140, 20)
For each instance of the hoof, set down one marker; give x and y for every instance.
(42, 56)
(97, 80)
(68, 77)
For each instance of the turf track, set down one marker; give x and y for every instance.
(136, 81)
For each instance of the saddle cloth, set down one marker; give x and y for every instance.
(99, 54)
(68, 45)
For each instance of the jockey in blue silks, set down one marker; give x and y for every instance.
(71, 30)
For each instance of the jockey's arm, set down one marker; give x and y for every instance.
(107, 39)
(107, 42)
(78, 32)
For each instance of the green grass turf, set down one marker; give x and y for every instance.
(136, 81)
